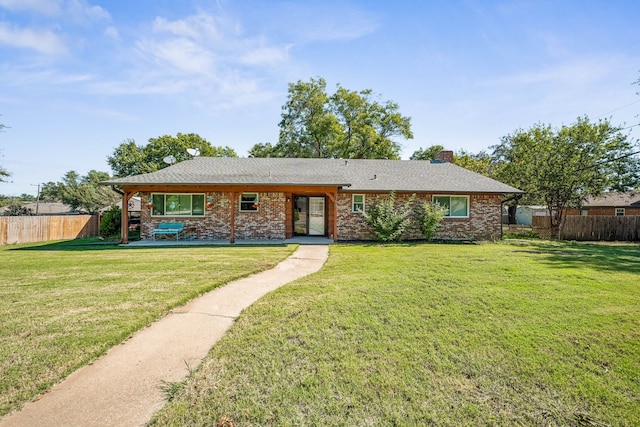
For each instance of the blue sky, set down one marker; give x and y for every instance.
(78, 77)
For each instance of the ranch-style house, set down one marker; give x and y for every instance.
(279, 198)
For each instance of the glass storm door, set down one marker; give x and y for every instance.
(300, 215)
(316, 216)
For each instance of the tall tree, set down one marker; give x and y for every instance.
(308, 128)
(368, 128)
(81, 192)
(265, 149)
(347, 124)
(480, 162)
(130, 158)
(428, 153)
(562, 167)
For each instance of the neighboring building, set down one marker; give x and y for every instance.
(525, 214)
(48, 208)
(278, 198)
(611, 204)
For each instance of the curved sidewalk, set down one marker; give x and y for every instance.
(123, 387)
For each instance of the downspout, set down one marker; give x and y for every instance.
(120, 192)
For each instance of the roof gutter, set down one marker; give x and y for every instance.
(120, 192)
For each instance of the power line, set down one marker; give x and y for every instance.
(618, 109)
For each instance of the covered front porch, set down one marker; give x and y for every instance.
(235, 214)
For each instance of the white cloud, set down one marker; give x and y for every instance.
(112, 32)
(46, 7)
(211, 55)
(179, 55)
(81, 12)
(268, 55)
(78, 11)
(568, 75)
(43, 41)
(201, 26)
(321, 21)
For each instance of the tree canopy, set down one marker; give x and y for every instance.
(130, 158)
(481, 162)
(562, 167)
(346, 124)
(428, 153)
(80, 192)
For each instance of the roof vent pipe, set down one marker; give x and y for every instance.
(346, 162)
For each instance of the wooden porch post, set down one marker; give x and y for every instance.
(333, 197)
(125, 218)
(335, 216)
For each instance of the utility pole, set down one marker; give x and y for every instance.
(37, 198)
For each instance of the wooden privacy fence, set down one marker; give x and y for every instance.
(28, 229)
(594, 227)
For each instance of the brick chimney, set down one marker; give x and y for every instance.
(444, 156)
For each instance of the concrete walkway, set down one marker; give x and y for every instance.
(122, 388)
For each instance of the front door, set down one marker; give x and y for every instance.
(316, 216)
(309, 216)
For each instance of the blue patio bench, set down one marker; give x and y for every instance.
(165, 228)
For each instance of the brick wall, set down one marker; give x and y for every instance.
(483, 222)
(268, 222)
(612, 211)
(215, 225)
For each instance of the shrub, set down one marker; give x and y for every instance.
(388, 221)
(111, 221)
(430, 219)
(15, 208)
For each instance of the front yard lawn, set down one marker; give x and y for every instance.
(63, 305)
(492, 334)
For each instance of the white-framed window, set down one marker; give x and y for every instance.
(165, 204)
(249, 202)
(584, 212)
(619, 211)
(455, 206)
(357, 203)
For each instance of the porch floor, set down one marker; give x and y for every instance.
(298, 240)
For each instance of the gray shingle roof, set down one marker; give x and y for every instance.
(351, 174)
(615, 199)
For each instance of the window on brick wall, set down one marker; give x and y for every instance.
(249, 202)
(455, 206)
(164, 204)
(357, 203)
(619, 211)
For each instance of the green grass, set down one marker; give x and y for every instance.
(495, 334)
(64, 304)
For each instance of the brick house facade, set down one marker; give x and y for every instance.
(610, 204)
(213, 197)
